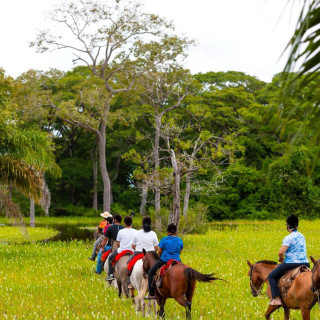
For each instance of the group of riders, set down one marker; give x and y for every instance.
(292, 253)
(128, 239)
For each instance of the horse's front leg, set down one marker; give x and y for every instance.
(305, 313)
(286, 313)
(270, 310)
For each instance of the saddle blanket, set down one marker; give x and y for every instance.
(286, 280)
(120, 255)
(134, 260)
(167, 266)
(105, 255)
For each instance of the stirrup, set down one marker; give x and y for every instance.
(149, 298)
(109, 278)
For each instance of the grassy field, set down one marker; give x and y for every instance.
(56, 280)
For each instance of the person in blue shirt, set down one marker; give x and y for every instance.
(170, 247)
(294, 249)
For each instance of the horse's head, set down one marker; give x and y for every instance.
(315, 275)
(257, 275)
(148, 261)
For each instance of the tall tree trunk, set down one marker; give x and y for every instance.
(187, 195)
(95, 183)
(156, 167)
(94, 160)
(32, 214)
(144, 196)
(174, 216)
(103, 167)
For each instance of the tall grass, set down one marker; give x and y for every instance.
(56, 280)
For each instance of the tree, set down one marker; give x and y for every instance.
(107, 39)
(25, 153)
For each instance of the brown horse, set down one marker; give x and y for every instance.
(315, 278)
(179, 283)
(299, 295)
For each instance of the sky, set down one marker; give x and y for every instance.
(239, 35)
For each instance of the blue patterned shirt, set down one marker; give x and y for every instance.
(297, 251)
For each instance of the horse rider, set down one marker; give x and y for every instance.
(110, 234)
(170, 247)
(123, 242)
(101, 226)
(143, 239)
(294, 249)
(106, 247)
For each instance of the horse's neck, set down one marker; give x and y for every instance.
(264, 270)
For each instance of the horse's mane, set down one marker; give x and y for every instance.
(267, 262)
(154, 254)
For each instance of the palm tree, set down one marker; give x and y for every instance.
(25, 154)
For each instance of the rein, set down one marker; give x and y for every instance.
(314, 288)
(252, 286)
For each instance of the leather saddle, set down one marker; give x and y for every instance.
(286, 280)
(158, 278)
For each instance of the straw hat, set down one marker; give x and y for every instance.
(105, 214)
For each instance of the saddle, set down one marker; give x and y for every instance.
(105, 255)
(133, 261)
(120, 255)
(286, 280)
(158, 278)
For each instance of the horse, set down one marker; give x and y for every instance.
(315, 278)
(299, 296)
(178, 283)
(120, 274)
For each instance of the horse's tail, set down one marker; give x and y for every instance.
(192, 274)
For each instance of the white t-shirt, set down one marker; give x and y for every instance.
(145, 240)
(125, 236)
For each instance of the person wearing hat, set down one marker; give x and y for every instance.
(292, 254)
(101, 226)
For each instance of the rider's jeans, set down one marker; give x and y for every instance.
(99, 262)
(278, 272)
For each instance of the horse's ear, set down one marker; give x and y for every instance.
(249, 263)
(313, 260)
(144, 251)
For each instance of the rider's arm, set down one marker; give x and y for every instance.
(282, 250)
(103, 243)
(134, 247)
(117, 245)
(156, 248)
(159, 252)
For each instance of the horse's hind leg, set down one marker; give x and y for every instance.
(119, 288)
(270, 310)
(181, 300)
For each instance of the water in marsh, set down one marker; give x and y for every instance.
(71, 232)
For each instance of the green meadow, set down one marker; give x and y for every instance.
(55, 280)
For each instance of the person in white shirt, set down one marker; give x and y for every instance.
(124, 242)
(143, 239)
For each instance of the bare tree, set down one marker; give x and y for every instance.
(110, 39)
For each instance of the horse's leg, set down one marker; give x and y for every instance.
(162, 302)
(305, 313)
(286, 314)
(181, 300)
(270, 310)
(119, 288)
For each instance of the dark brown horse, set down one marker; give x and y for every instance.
(179, 283)
(299, 295)
(315, 278)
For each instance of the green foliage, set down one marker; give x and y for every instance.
(195, 221)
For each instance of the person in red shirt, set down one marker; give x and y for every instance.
(101, 227)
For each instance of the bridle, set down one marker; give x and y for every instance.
(253, 287)
(314, 288)
(145, 273)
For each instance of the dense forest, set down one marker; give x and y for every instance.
(133, 131)
(238, 151)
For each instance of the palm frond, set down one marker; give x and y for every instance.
(26, 178)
